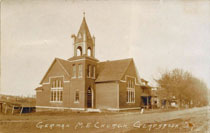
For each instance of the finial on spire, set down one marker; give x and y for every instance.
(83, 14)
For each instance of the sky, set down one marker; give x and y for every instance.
(159, 35)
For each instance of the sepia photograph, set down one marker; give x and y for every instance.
(136, 66)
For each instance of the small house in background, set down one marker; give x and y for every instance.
(149, 96)
(146, 94)
(155, 102)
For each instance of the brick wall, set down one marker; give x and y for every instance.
(107, 95)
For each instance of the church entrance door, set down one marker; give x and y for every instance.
(89, 98)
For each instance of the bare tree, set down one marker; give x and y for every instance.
(186, 88)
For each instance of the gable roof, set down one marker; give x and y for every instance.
(39, 88)
(65, 65)
(112, 70)
(133, 66)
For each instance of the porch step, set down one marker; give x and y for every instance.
(93, 110)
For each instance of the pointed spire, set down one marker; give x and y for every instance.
(84, 14)
(84, 31)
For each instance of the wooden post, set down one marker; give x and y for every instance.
(147, 102)
(21, 110)
(6, 109)
(1, 106)
(13, 107)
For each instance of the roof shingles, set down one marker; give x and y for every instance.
(66, 64)
(106, 71)
(112, 70)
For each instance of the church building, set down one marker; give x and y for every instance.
(82, 82)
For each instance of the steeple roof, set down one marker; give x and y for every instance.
(84, 32)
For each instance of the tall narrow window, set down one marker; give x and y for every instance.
(54, 95)
(89, 71)
(76, 97)
(130, 94)
(94, 71)
(132, 84)
(60, 83)
(51, 96)
(61, 95)
(80, 71)
(56, 83)
(74, 71)
(127, 94)
(53, 84)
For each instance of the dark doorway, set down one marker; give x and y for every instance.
(89, 98)
(146, 101)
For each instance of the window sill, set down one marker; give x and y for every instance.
(91, 77)
(130, 102)
(76, 102)
(130, 88)
(73, 77)
(58, 88)
(56, 101)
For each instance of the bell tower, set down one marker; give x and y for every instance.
(84, 43)
(84, 67)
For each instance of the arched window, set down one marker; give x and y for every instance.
(79, 51)
(89, 52)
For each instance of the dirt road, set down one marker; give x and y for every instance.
(189, 120)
